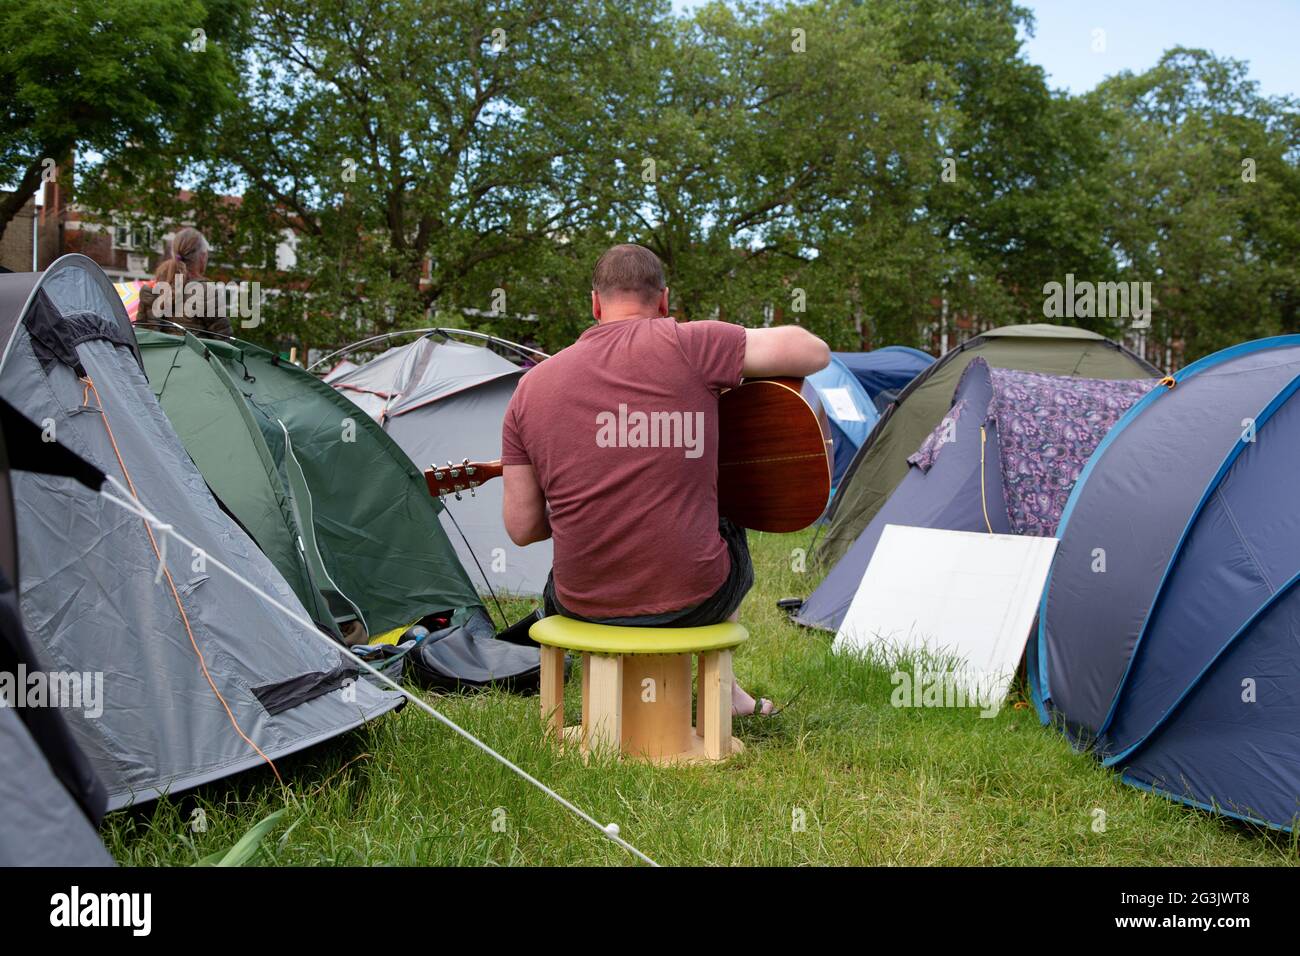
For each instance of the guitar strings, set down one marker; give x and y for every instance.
(505, 621)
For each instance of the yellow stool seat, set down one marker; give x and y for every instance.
(591, 638)
(636, 688)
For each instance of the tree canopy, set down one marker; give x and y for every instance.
(125, 81)
(879, 172)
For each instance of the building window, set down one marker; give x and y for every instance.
(132, 237)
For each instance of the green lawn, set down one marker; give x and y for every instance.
(873, 784)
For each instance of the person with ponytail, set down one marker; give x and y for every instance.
(163, 305)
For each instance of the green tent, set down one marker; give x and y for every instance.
(881, 463)
(333, 502)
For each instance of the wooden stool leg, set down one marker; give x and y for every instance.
(699, 694)
(714, 703)
(552, 690)
(586, 696)
(604, 723)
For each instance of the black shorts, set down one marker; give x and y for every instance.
(712, 610)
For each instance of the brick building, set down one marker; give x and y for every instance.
(122, 249)
(32, 221)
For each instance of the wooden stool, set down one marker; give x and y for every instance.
(636, 688)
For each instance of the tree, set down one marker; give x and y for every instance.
(1205, 200)
(123, 82)
(868, 170)
(770, 136)
(414, 148)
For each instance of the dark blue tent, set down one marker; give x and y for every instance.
(1167, 635)
(885, 372)
(1002, 460)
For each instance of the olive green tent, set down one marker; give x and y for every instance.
(881, 463)
(333, 502)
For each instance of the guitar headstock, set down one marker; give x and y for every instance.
(452, 479)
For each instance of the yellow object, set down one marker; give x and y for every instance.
(574, 635)
(984, 500)
(392, 637)
(129, 293)
(636, 689)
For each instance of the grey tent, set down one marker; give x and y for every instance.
(202, 678)
(51, 797)
(443, 400)
(43, 826)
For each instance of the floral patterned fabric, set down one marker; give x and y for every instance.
(925, 456)
(1048, 427)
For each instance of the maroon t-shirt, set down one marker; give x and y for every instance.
(622, 430)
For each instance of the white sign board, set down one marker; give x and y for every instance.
(842, 406)
(965, 598)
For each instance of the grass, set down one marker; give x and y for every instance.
(871, 784)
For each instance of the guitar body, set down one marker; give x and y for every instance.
(774, 455)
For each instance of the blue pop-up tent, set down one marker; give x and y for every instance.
(1167, 636)
(849, 410)
(885, 372)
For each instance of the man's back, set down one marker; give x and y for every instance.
(621, 429)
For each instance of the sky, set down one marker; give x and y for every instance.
(1137, 32)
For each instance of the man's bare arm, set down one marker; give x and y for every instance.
(784, 350)
(524, 506)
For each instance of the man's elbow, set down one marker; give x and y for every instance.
(821, 354)
(524, 532)
(519, 533)
(524, 539)
(812, 353)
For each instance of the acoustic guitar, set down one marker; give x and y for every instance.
(774, 457)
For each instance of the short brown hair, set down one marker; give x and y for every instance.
(630, 270)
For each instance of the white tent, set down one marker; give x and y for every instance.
(442, 400)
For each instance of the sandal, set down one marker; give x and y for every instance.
(774, 712)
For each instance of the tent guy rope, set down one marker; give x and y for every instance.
(128, 502)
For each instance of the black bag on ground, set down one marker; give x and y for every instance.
(470, 656)
(517, 633)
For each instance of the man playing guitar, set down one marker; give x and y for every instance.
(610, 447)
